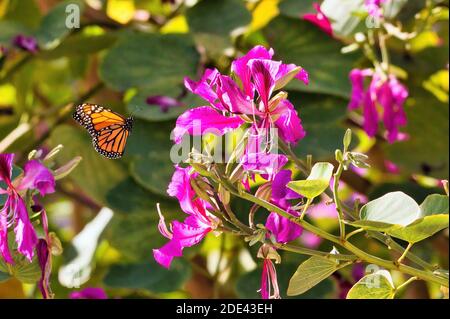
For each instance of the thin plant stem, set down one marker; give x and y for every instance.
(421, 274)
(337, 201)
(404, 253)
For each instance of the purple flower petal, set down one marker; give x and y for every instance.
(205, 87)
(289, 125)
(165, 103)
(263, 75)
(202, 120)
(282, 228)
(89, 293)
(26, 43)
(26, 237)
(232, 98)
(37, 176)
(44, 259)
(6, 165)
(241, 69)
(166, 253)
(319, 19)
(4, 249)
(180, 187)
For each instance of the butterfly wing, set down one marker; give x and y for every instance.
(109, 130)
(111, 141)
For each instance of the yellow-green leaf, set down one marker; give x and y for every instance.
(316, 183)
(310, 273)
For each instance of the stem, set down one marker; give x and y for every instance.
(387, 240)
(337, 201)
(406, 283)
(357, 231)
(404, 253)
(421, 274)
(308, 203)
(311, 252)
(384, 51)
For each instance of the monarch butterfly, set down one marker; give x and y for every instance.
(109, 130)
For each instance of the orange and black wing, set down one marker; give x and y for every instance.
(111, 141)
(109, 130)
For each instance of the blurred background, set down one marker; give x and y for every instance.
(124, 52)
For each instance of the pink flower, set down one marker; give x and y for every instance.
(194, 228)
(280, 227)
(269, 281)
(89, 293)
(374, 8)
(14, 212)
(386, 92)
(319, 19)
(26, 43)
(229, 102)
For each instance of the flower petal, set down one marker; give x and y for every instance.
(6, 165)
(289, 125)
(264, 73)
(241, 69)
(282, 228)
(37, 176)
(4, 249)
(205, 87)
(25, 234)
(232, 98)
(166, 253)
(319, 19)
(89, 293)
(202, 120)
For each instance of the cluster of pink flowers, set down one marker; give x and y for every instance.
(384, 91)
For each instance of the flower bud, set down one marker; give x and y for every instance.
(347, 139)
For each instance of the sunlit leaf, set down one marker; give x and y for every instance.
(310, 273)
(374, 286)
(316, 183)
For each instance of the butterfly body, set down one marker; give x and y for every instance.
(109, 130)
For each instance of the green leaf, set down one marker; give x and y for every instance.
(53, 26)
(434, 204)
(398, 215)
(310, 273)
(374, 286)
(133, 230)
(149, 276)
(150, 163)
(218, 17)
(392, 208)
(141, 60)
(3, 275)
(302, 43)
(419, 230)
(321, 116)
(212, 22)
(9, 29)
(96, 175)
(316, 183)
(23, 270)
(295, 8)
(80, 44)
